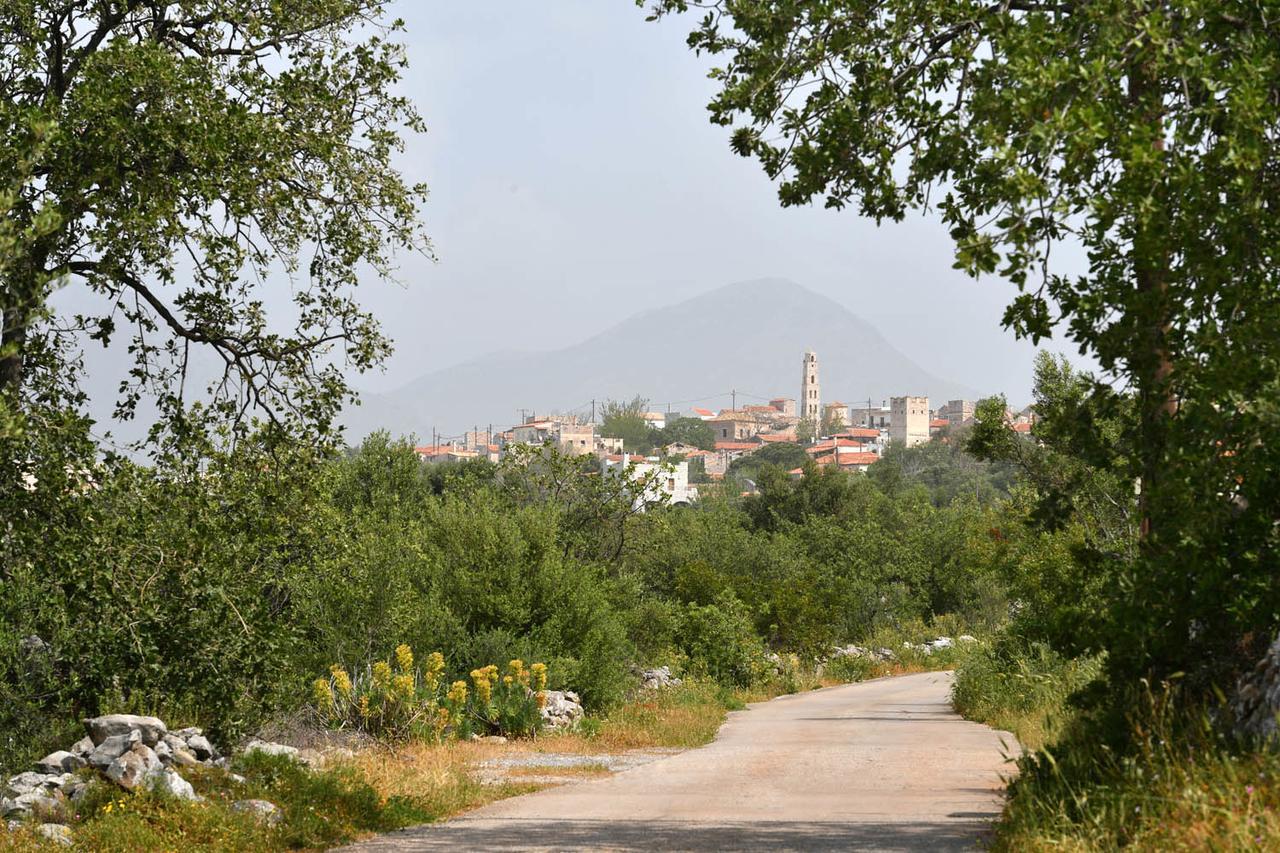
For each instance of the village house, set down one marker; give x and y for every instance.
(668, 481)
(732, 425)
(909, 421)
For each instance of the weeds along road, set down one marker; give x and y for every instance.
(882, 765)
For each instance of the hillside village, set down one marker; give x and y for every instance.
(849, 436)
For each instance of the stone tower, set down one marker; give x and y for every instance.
(810, 390)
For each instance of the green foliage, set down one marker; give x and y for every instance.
(623, 420)
(946, 468)
(213, 145)
(720, 641)
(692, 431)
(781, 454)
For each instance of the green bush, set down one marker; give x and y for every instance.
(719, 640)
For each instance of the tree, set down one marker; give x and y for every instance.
(782, 454)
(691, 431)
(204, 147)
(832, 422)
(625, 421)
(1141, 131)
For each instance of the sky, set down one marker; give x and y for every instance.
(576, 180)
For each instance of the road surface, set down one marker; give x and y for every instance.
(882, 765)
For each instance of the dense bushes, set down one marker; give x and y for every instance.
(214, 585)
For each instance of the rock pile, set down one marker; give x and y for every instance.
(562, 710)
(937, 644)
(129, 750)
(878, 654)
(658, 678)
(1257, 698)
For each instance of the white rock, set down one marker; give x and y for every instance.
(26, 782)
(268, 748)
(55, 832)
(83, 747)
(150, 728)
(168, 782)
(200, 746)
(262, 811)
(134, 767)
(164, 752)
(967, 638)
(59, 762)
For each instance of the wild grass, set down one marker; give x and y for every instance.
(1021, 688)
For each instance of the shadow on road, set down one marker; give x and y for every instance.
(493, 834)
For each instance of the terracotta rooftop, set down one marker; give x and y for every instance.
(737, 445)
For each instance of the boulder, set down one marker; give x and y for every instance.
(658, 678)
(561, 710)
(189, 732)
(262, 811)
(268, 748)
(164, 752)
(169, 783)
(83, 747)
(55, 832)
(134, 767)
(200, 747)
(27, 782)
(1257, 697)
(150, 728)
(59, 762)
(967, 638)
(183, 758)
(112, 748)
(7, 807)
(38, 802)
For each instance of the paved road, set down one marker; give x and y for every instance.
(883, 765)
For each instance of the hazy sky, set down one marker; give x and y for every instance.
(576, 180)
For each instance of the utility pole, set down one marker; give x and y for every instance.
(734, 392)
(522, 411)
(593, 411)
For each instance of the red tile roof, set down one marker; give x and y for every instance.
(706, 412)
(737, 445)
(776, 438)
(939, 423)
(859, 432)
(1022, 427)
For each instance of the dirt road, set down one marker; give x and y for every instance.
(884, 765)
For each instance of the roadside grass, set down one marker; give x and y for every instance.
(1021, 688)
(1183, 786)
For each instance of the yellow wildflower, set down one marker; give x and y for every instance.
(516, 666)
(402, 686)
(382, 675)
(435, 663)
(484, 688)
(322, 693)
(364, 706)
(341, 681)
(507, 680)
(541, 697)
(458, 693)
(539, 671)
(404, 657)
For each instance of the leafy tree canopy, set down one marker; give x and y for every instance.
(691, 431)
(171, 157)
(624, 420)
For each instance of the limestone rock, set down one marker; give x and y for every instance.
(150, 728)
(658, 678)
(164, 752)
(38, 802)
(26, 782)
(8, 807)
(268, 748)
(55, 832)
(59, 762)
(1257, 698)
(200, 746)
(168, 782)
(83, 747)
(133, 767)
(262, 811)
(112, 748)
(562, 709)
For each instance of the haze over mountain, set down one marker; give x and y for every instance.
(747, 336)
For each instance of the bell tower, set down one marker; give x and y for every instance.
(810, 390)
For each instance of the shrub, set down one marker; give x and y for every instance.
(719, 639)
(395, 700)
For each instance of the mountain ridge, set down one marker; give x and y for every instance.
(748, 335)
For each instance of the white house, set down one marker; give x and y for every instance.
(667, 481)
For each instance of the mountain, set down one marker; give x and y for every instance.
(748, 336)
